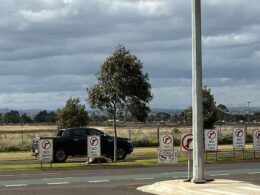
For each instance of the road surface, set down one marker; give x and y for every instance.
(115, 180)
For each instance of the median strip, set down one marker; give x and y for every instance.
(148, 178)
(253, 173)
(98, 181)
(58, 183)
(16, 185)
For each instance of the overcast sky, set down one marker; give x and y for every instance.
(51, 50)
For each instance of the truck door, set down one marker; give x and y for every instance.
(78, 142)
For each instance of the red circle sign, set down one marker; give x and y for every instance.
(186, 142)
(162, 157)
(46, 144)
(239, 132)
(211, 134)
(94, 141)
(257, 135)
(167, 139)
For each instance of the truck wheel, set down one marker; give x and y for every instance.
(121, 154)
(60, 155)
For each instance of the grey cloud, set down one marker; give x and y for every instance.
(56, 46)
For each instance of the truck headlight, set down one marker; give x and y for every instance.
(129, 141)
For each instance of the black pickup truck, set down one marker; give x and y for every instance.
(73, 142)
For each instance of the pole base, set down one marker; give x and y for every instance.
(201, 181)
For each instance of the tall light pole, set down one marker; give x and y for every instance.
(197, 105)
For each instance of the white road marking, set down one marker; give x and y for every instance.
(97, 181)
(250, 188)
(224, 174)
(7, 175)
(58, 183)
(221, 192)
(253, 173)
(16, 185)
(144, 178)
(57, 178)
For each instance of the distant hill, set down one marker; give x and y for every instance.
(153, 110)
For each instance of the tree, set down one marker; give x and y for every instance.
(163, 116)
(186, 115)
(122, 87)
(209, 109)
(222, 110)
(72, 115)
(26, 119)
(12, 117)
(45, 117)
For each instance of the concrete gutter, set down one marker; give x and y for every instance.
(217, 187)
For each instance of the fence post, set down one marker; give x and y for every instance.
(22, 137)
(130, 134)
(158, 135)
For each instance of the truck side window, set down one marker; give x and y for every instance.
(65, 133)
(78, 133)
(94, 132)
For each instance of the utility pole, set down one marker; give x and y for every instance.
(197, 104)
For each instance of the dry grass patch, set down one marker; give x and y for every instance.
(27, 127)
(16, 156)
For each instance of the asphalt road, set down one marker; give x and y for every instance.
(116, 180)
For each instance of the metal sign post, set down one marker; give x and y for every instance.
(186, 146)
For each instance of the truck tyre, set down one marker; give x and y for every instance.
(121, 154)
(60, 155)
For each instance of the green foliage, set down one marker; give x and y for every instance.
(209, 109)
(72, 115)
(122, 86)
(187, 115)
(26, 119)
(17, 148)
(226, 139)
(45, 117)
(163, 116)
(12, 117)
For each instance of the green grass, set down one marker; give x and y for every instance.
(74, 165)
(148, 162)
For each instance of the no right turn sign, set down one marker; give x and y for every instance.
(239, 138)
(256, 139)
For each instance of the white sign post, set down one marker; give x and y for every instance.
(239, 138)
(166, 144)
(211, 139)
(186, 146)
(46, 150)
(94, 148)
(256, 140)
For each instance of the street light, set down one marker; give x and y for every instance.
(197, 105)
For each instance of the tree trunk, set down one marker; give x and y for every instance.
(115, 137)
